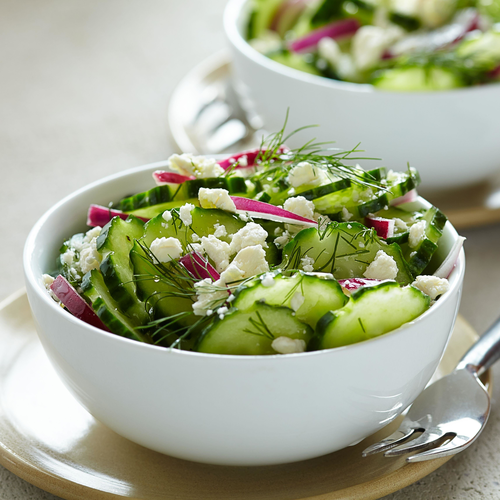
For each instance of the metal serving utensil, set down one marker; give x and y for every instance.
(450, 414)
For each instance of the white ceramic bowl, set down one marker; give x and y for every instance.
(233, 410)
(450, 137)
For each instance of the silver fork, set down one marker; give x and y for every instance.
(450, 414)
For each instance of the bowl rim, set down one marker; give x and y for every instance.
(34, 283)
(231, 18)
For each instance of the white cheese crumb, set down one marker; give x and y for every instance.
(244, 217)
(222, 311)
(220, 230)
(82, 255)
(243, 161)
(251, 261)
(286, 345)
(322, 220)
(217, 250)
(249, 235)
(400, 224)
(208, 296)
(231, 274)
(199, 166)
(305, 174)
(267, 280)
(307, 264)
(300, 206)
(195, 237)
(431, 285)
(346, 215)
(297, 300)
(47, 280)
(416, 235)
(282, 240)
(216, 198)
(166, 249)
(167, 216)
(185, 214)
(383, 267)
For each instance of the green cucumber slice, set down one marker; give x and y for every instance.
(370, 312)
(319, 295)
(178, 195)
(95, 291)
(418, 258)
(417, 79)
(252, 332)
(342, 249)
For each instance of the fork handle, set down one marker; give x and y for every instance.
(484, 352)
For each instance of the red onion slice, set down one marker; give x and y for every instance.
(337, 29)
(162, 177)
(100, 216)
(383, 227)
(198, 266)
(449, 263)
(352, 284)
(248, 157)
(74, 303)
(406, 198)
(262, 210)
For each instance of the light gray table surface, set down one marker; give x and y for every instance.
(84, 90)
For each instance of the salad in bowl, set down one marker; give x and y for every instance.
(399, 45)
(182, 315)
(266, 252)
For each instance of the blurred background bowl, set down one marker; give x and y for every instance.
(451, 137)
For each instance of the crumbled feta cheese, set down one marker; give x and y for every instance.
(209, 295)
(322, 220)
(251, 260)
(417, 233)
(370, 42)
(195, 237)
(329, 50)
(400, 224)
(278, 231)
(267, 280)
(383, 267)
(244, 217)
(219, 251)
(431, 285)
(47, 280)
(199, 166)
(167, 216)
(197, 247)
(305, 174)
(185, 214)
(346, 215)
(231, 274)
(216, 198)
(300, 206)
(82, 255)
(249, 235)
(307, 264)
(220, 230)
(286, 345)
(297, 300)
(166, 249)
(222, 311)
(282, 240)
(243, 161)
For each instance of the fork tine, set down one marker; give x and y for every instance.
(396, 438)
(428, 438)
(450, 448)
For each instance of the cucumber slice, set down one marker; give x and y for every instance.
(300, 62)
(400, 183)
(261, 17)
(419, 257)
(319, 295)
(114, 243)
(417, 79)
(342, 249)
(252, 332)
(180, 193)
(359, 201)
(95, 291)
(371, 311)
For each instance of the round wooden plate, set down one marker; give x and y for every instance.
(205, 118)
(47, 439)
